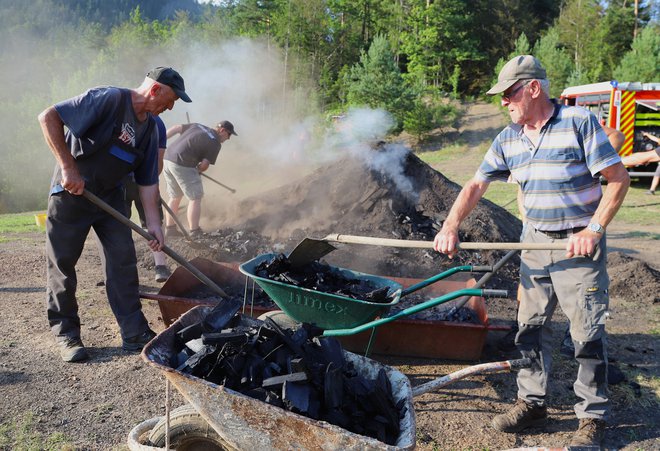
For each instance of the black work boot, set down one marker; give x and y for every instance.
(589, 434)
(162, 273)
(138, 342)
(71, 349)
(522, 415)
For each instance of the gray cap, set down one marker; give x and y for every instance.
(521, 67)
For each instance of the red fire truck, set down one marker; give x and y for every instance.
(630, 107)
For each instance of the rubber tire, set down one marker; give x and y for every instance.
(281, 319)
(188, 432)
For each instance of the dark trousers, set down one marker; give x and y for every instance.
(70, 219)
(132, 196)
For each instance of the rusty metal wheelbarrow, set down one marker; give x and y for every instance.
(244, 423)
(341, 315)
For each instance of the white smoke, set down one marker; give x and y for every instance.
(358, 133)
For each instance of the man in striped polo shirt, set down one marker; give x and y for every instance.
(556, 154)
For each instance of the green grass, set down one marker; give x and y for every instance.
(18, 223)
(20, 433)
(639, 208)
(447, 154)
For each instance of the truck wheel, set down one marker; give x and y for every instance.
(188, 432)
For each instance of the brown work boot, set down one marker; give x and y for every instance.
(590, 433)
(522, 415)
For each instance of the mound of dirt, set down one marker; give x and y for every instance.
(632, 279)
(390, 193)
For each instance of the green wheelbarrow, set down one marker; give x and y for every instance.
(339, 315)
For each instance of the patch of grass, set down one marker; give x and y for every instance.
(21, 433)
(639, 208)
(18, 223)
(449, 153)
(645, 396)
(104, 410)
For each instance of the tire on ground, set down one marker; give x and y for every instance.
(188, 432)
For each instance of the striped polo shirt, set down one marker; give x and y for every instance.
(560, 177)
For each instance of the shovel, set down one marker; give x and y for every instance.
(233, 191)
(310, 249)
(146, 235)
(176, 219)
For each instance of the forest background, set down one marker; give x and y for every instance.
(283, 69)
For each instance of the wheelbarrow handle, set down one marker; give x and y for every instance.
(491, 367)
(147, 236)
(443, 275)
(354, 239)
(409, 311)
(490, 293)
(175, 219)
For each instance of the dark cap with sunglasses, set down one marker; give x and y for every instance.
(521, 67)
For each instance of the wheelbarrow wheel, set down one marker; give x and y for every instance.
(281, 319)
(188, 432)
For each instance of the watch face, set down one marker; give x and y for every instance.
(596, 228)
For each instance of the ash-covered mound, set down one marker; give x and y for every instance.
(390, 193)
(632, 279)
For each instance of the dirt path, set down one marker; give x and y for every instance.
(95, 404)
(482, 121)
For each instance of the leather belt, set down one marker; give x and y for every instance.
(561, 234)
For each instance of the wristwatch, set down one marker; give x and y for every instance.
(595, 227)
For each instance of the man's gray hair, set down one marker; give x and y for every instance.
(545, 86)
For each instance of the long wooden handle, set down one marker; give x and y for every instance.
(175, 218)
(221, 184)
(147, 236)
(355, 239)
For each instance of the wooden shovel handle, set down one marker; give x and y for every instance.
(147, 236)
(355, 239)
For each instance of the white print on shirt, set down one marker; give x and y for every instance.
(127, 134)
(207, 130)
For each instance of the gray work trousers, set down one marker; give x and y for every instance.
(69, 221)
(580, 286)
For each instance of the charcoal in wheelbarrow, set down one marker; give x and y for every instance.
(325, 310)
(244, 422)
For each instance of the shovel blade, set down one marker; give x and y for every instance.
(309, 250)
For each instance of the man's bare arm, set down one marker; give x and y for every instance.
(174, 130)
(150, 197)
(52, 128)
(618, 181)
(447, 239)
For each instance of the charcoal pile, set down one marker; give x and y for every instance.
(443, 312)
(299, 371)
(322, 278)
(633, 279)
(353, 197)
